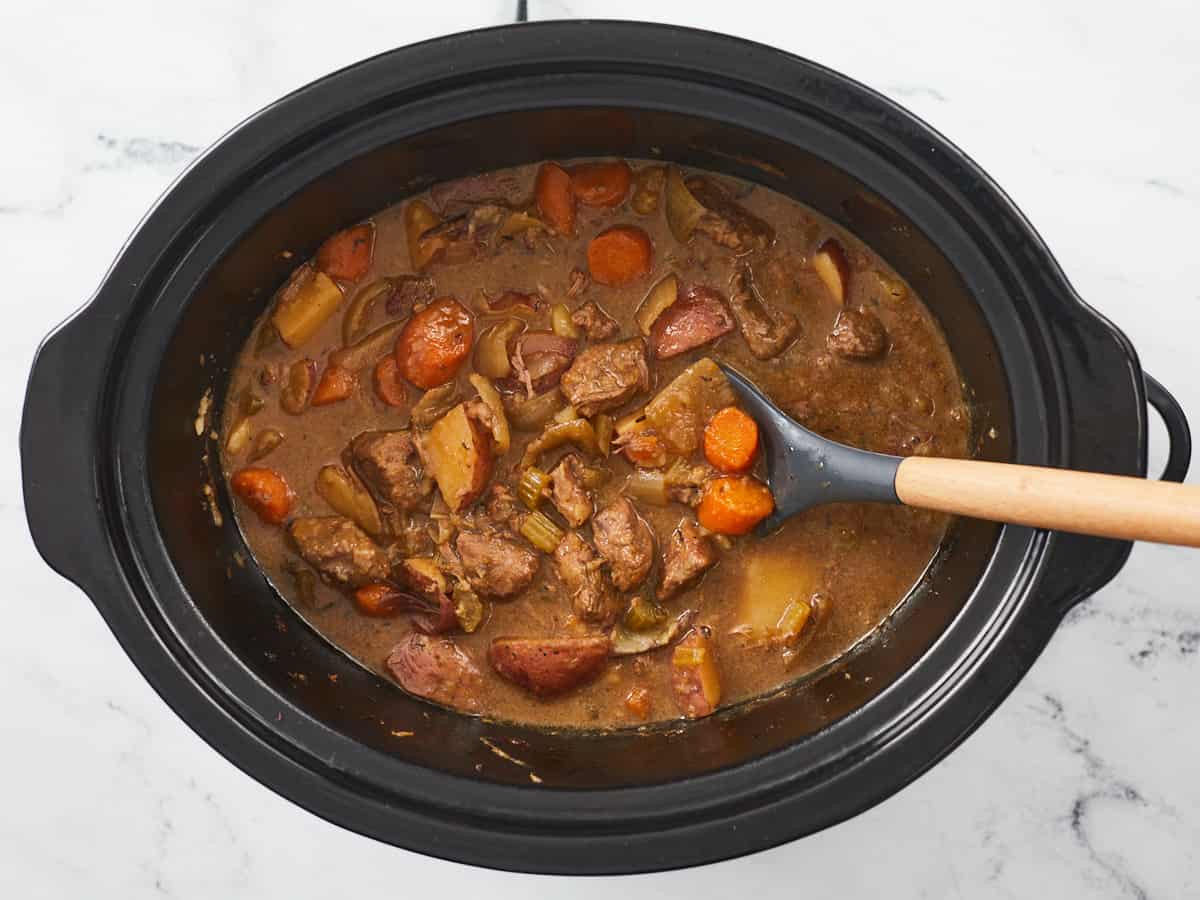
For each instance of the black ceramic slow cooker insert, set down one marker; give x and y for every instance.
(115, 473)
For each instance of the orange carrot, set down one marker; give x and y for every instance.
(637, 701)
(379, 600)
(347, 255)
(731, 440)
(555, 201)
(336, 384)
(601, 184)
(265, 492)
(645, 449)
(734, 505)
(434, 343)
(389, 387)
(619, 255)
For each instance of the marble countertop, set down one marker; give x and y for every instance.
(1084, 783)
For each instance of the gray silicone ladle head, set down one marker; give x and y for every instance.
(805, 469)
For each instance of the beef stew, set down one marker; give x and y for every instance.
(480, 443)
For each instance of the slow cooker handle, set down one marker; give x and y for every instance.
(1178, 432)
(58, 452)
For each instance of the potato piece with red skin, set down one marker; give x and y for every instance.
(695, 679)
(434, 343)
(549, 666)
(264, 491)
(347, 255)
(833, 268)
(457, 453)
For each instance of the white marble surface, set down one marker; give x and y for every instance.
(1085, 782)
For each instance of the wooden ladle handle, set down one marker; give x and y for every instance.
(1113, 506)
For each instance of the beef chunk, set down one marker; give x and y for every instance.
(502, 508)
(597, 325)
(626, 541)
(699, 317)
(577, 284)
(436, 669)
(725, 223)
(604, 376)
(456, 197)
(340, 550)
(567, 492)
(388, 464)
(592, 599)
(689, 554)
(685, 481)
(495, 566)
(768, 332)
(858, 334)
(407, 292)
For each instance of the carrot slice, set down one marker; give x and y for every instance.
(734, 505)
(555, 200)
(389, 386)
(347, 255)
(601, 184)
(265, 492)
(434, 343)
(731, 440)
(380, 600)
(336, 384)
(619, 255)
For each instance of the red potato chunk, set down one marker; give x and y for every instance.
(549, 666)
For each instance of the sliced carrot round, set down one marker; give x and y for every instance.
(619, 255)
(734, 504)
(601, 184)
(731, 440)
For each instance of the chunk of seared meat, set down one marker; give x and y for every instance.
(341, 551)
(697, 318)
(502, 508)
(596, 324)
(605, 376)
(407, 292)
(567, 492)
(456, 197)
(768, 332)
(685, 481)
(388, 464)
(858, 334)
(578, 282)
(725, 222)
(496, 567)
(626, 541)
(549, 666)
(579, 568)
(436, 669)
(688, 555)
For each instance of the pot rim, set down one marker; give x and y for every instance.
(534, 829)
